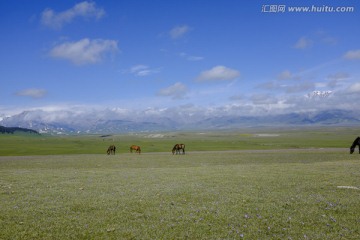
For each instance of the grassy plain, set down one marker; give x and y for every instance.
(263, 191)
(195, 141)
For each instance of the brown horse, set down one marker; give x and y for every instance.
(136, 148)
(176, 149)
(111, 150)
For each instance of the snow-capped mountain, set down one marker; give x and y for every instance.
(317, 108)
(69, 122)
(319, 94)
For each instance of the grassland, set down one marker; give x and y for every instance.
(18, 145)
(264, 190)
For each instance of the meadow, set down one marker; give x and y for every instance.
(248, 139)
(282, 184)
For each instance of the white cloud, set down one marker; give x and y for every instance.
(32, 92)
(353, 54)
(218, 73)
(143, 70)
(191, 57)
(195, 58)
(303, 43)
(179, 31)
(138, 68)
(84, 51)
(84, 9)
(176, 91)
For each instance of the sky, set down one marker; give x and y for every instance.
(249, 57)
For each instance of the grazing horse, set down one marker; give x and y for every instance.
(111, 150)
(176, 149)
(353, 146)
(136, 148)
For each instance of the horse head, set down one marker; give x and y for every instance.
(355, 143)
(175, 149)
(352, 149)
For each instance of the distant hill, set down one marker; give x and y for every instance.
(12, 130)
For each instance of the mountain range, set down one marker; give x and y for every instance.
(80, 120)
(68, 122)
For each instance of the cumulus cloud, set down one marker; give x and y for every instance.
(352, 54)
(218, 73)
(176, 91)
(303, 43)
(84, 9)
(179, 31)
(32, 92)
(84, 51)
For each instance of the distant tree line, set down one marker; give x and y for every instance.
(16, 129)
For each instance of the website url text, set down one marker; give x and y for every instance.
(305, 9)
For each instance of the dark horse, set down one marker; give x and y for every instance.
(353, 146)
(136, 148)
(111, 150)
(176, 149)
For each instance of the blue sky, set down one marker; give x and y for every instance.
(229, 55)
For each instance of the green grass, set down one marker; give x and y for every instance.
(17, 145)
(65, 187)
(201, 195)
